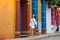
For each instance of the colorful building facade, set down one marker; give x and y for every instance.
(15, 16)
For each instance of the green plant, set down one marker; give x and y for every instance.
(58, 3)
(53, 2)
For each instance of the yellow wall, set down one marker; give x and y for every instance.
(39, 10)
(7, 18)
(30, 13)
(39, 16)
(30, 8)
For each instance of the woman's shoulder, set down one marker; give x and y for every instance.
(33, 19)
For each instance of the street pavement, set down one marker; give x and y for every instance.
(51, 36)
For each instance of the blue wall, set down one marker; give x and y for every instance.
(35, 8)
(44, 14)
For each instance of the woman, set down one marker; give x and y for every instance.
(33, 24)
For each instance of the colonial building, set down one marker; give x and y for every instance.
(15, 16)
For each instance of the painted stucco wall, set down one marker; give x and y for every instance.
(7, 18)
(39, 15)
(48, 19)
(30, 2)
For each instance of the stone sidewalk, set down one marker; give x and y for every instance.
(51, 36)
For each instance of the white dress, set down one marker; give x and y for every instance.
(33, 23)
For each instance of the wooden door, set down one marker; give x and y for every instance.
(25, 16)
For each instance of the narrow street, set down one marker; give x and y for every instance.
(52, 36)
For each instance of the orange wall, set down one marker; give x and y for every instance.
(7, 18)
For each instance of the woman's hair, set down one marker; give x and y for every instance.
(34, 16)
